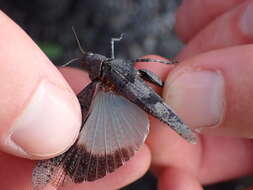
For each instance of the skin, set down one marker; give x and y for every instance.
(15, 172)
(222, 153)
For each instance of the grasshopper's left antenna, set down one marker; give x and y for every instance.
(112, 43)
(69, 62)
(80, 48)
(78, 41)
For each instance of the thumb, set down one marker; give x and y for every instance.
(39, 115)
(213, 92)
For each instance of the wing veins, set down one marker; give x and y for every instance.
(93, 142)
(123, 118)
(132, 134)
(105, 142)
(116, 137)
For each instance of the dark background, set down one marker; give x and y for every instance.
(147, 25)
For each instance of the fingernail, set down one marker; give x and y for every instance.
(246, 23)
(197, 97)
(48, 125)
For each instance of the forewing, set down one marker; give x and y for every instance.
(85, 98)
(114, 130)
(147, 99)
(54, 171)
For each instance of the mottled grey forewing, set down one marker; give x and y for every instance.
(128, 83)
(49, 171)
(147, 99)
(55, 170)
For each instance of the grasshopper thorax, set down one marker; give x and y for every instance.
(92, 63)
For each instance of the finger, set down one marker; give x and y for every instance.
(232, 28)
(36, 102)
(193, 15)
(213, 158)
(176, 179)
(162, 136)
(224, 158)
(212, 92)
(17, 173)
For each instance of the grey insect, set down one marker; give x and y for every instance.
(114, 121)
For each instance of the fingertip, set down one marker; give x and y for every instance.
(216, 90)
(202, 90)
(40, 115)
(47, 126)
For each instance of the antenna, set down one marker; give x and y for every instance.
(112, 43)
(78, 41)
(69, 62)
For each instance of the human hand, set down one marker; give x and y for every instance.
(40, 115)
(211, 89)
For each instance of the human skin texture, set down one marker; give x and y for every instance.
(211, 89)
(40, 115)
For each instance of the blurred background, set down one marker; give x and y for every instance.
(147, 25)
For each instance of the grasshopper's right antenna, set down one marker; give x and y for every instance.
(112, 43)
(78, 41)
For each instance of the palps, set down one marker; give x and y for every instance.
(114, 121)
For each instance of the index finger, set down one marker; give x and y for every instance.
(195, 14)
